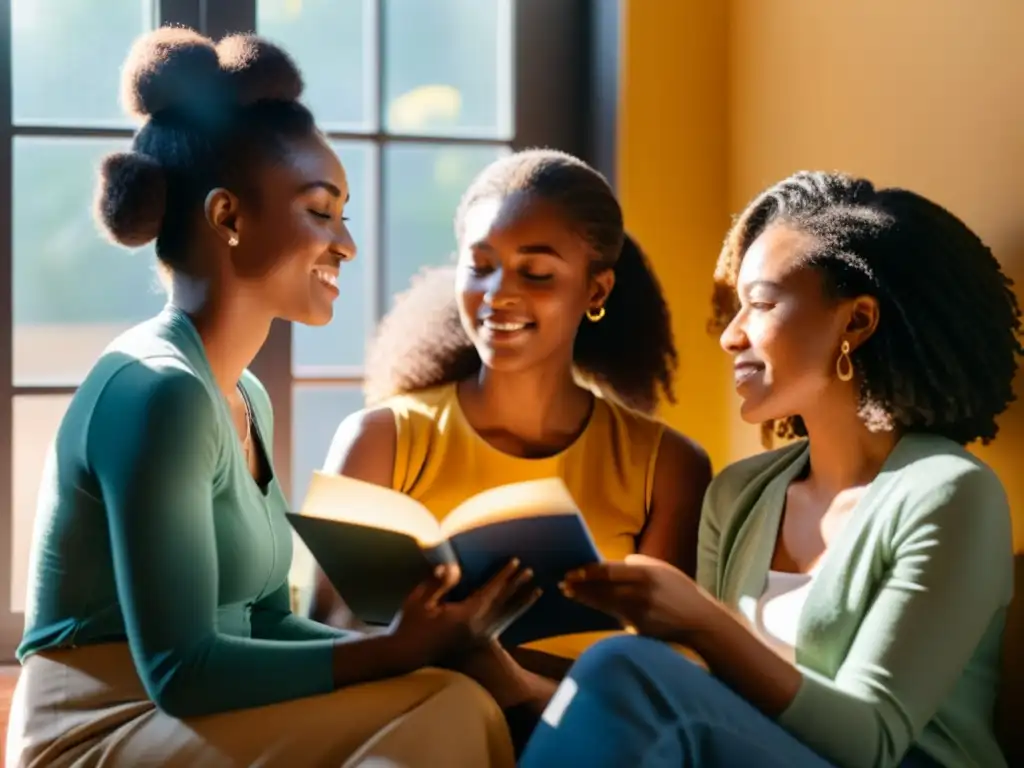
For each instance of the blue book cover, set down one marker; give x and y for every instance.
(375, 544)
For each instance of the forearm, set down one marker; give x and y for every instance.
(677, 548)
(272, 619)
(223, 673)
(739, 659)
(294, 628)
(537, 691)
(360, 658)
(508, 682)
(228, 673)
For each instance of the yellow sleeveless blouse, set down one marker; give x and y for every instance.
(441, 461)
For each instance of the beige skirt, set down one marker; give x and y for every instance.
(87, 707)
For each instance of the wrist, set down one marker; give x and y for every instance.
(703, 624)
(372, 657)
(404, 652)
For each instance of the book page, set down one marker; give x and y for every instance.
(533, 498)
(347, 500)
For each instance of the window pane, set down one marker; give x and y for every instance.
(447, 67)
(35, 422)
(73, 291)
(66, 58)
(333, 43)
(317, 410)
(343, 341)
(422, 185)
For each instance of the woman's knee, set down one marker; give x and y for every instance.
(627, 660)
(465, 694)
(472, 716)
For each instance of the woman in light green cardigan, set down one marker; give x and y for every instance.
(852, 586)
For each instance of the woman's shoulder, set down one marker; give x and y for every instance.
(379, 422)
(936, 497)
(404, 416)
(157, 359)
(421, 403)
(141, 363)
(647, 430)
(930, 472)
(381, 429)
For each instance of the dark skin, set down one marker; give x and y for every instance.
(255, 260)
(785, 342)
(523, 268)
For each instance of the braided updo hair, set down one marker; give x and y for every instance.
(629, 356)
(944, 355)
(210, 114)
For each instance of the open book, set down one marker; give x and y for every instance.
(375, 544)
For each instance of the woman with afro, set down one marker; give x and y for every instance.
(542, 353)
(852, 586)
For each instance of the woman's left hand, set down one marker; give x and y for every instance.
(648, 595)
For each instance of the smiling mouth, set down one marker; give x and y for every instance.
(504, 331)
(327, 278)
(742, 373)
(506, 327)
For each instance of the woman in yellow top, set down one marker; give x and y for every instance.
(541, 355)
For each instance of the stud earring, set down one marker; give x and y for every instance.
(233, 240)
(844, 365)
(595, 315)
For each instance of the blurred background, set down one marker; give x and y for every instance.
(689, 106)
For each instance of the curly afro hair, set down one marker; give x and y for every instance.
(629, 356)
(209, 114)
(946, 349)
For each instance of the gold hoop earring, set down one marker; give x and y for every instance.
(844, 365)
(594, 315)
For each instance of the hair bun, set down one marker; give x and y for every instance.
(130, 198)
(170, 68)
(175, 68)
(258, 70)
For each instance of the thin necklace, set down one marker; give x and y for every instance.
(247, 444)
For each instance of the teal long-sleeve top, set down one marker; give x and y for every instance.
(899, 641)
(151, 529)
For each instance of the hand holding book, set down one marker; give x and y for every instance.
(438, 629)
(375, 545)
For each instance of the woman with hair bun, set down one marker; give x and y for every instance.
(158, 629)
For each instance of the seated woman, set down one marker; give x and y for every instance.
(540, 356)
(852, 586)
(158, 629)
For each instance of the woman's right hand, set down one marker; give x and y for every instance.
(433, 630)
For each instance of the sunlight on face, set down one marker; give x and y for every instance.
(784, 337)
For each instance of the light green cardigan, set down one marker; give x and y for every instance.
(899, 640)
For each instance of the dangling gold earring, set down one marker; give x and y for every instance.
(594, 315)
(844, 365)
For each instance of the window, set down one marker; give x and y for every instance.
(416, 96)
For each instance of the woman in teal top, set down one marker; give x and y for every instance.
(158, 629)
(852, 586)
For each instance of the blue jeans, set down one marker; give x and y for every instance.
(640, 703)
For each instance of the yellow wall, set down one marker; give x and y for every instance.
(672, 152)
(719, 99)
